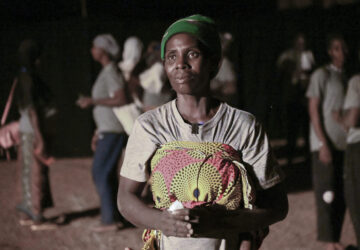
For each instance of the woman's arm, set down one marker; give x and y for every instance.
(272, 206)
(119, 99)
(137, 212)
(314, 113)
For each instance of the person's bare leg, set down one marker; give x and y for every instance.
(334, 246)
(106, 228)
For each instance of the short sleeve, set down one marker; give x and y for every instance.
(114, 81)
(258, 155)
(316, 85)
(139, 151)
(352, 99)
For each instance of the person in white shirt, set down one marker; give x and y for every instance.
(326, 93)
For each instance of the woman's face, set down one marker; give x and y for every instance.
(186, 66)
(96, 53)
(337, 51)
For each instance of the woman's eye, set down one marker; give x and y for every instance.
(171, 58)
(193, 54)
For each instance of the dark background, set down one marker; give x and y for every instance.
(261, 32)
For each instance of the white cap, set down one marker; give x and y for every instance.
(108, 43)
(131, 55)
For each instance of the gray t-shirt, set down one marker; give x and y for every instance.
(229, 125)
(352, 100)
(326, 83)
(108, 82)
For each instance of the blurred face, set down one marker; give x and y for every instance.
(96, 53)
(337, 52)
(300, 43)
(186, 66)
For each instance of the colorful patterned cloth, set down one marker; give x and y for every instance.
(198, 174)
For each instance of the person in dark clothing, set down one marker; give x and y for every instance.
(34, 98)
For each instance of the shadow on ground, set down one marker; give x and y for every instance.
(67, 218)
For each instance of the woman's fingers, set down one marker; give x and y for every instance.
(176, 224)
(181, 214)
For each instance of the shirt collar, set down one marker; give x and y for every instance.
(334, 68)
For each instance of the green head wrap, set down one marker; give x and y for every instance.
(201, 27)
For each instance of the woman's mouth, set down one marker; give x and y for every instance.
(183, 78)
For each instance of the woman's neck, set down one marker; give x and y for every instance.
(338, 64)
(105, 60)
(197, 109)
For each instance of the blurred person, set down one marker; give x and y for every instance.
(131, 56)
(146, 82)
(181, 145)
(153, 79)
(350, 120)
(109, 138)
(223, 85)
(131, 59)
(294, 66)
(328, 142)
(34, 98)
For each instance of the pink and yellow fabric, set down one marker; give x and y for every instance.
(198, 174)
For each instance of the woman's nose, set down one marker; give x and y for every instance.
(181, 62)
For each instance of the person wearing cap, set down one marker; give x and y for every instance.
(191, 125)
(109, 138)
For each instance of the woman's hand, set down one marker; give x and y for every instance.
(94, 141)
(84, 102)
(40, 154)
(175, 223)
(39, 147)
(206, 222)
(339, 118)
(336, 116)
(325, 154)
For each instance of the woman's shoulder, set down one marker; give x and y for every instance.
(156, 115)
(236, 114)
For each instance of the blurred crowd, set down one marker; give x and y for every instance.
(320, 103)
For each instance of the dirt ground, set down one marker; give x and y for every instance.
(75, 196)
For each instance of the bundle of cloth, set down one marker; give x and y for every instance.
(198, 174)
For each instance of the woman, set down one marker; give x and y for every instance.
(33, 101)
(109, 138)
(191, 52)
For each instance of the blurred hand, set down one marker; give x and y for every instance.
(40, 154)
(39, 146)
(94, 141)
(336, 115)
(325, 154)
(175, 223)
(84, 102)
